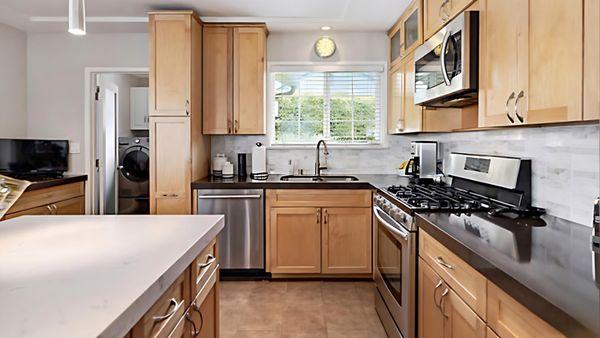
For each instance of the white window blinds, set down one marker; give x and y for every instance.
(341, 107)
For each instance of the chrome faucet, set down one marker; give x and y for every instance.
(318, 167)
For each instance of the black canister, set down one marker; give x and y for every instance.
(242, 165)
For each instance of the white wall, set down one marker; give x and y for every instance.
(55, 80)
(13, 82)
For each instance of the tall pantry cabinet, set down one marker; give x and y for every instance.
(179, 153)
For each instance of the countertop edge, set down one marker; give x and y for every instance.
(55, 182)
(533, 301)
(126, 320)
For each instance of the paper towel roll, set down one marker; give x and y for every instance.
(259, 161)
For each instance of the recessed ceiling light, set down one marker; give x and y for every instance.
(77, 17)
(325, 28)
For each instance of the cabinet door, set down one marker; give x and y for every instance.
(209, 310)
(170, 163)
(413, 114)
(170, 64)
(73, 206)
(138, 108)
(295, 240)
(396, 95)
(412, 28)
(431, 319)
(41, 210)
(503, 60)
(460, 321)
(436, 13)
(591, 61)
(249, 80)
(218, 80)
(555, 62)
(395, 37)
(346, 240)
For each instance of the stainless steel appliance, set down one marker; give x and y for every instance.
(446, 65)
(498, 187)
(241, 243)
(134, 175)
(423, 161)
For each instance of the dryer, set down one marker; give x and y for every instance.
(134, 175)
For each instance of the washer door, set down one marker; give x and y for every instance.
(135, 164)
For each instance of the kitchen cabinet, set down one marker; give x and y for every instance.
(407, 32)
(436, 13)
(234, 65)
(64, 199)
(430, 317)
(459, 320)
(524, 77)
(295, 240)
(179, 153)
(319, 232)
(403, 115)
(591, 60)
(346, 240)
(396, 100)
(138, 108)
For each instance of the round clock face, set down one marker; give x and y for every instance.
(325, 47)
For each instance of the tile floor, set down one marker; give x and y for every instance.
(317, 309)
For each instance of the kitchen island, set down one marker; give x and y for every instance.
(89, 276)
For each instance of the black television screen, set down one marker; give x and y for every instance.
(21, 157)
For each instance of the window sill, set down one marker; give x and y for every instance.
(329, 146)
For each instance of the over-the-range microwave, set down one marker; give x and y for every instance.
(449, 79)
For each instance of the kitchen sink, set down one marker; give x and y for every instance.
(322, 178)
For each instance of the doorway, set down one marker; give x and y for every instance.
(119, 175)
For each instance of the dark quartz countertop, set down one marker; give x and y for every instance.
(547, 264)
(47, 183)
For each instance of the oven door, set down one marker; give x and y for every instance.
(445, 72)
(396, 272)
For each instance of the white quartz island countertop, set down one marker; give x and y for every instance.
(89, 276)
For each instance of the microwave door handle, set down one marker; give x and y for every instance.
(443, 56)
(398, 232)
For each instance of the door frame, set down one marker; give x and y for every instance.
(89, 141)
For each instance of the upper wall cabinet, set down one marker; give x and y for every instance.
(171, 63)
(234, 79)
(407, 33)
(403, 115)
(531, 62)
(437, 12)
(591, 61)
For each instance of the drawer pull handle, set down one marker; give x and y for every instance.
(210, 259)
(195, 332)
(435, 290)
(443, 263)
(197, 309)
(173, 305)
(444, 294)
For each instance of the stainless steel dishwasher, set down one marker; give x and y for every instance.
(241, 243)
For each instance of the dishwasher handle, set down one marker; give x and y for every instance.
(220, 197)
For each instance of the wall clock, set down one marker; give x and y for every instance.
(324, 47)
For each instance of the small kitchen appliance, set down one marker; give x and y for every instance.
(241, 169)
(423, 161)
(259, 162)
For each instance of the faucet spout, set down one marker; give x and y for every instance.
(318, 167)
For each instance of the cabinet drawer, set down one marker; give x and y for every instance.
(164, 315)
(72, 206)
(469, 284)
(508, 318)
(318, 198)
(179, 329)
(203, 266)
(42, 197)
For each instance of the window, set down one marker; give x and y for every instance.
(341, 106)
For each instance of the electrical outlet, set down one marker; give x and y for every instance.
(74, 148)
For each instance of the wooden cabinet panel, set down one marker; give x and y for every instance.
(218, 80)
(413, 114)
(412, 28)
(209, 310)
(591, 60)
(460, 321)
(436, 13)
(430, 317)
(490, 334)
(508, 318)
(319, 198)
(249, 45)
(43, 197)
(203, 267)
(170, 162)
(462, 278)
(38, 211)
(555, 73)
(503, 59)
(295, 240)
(346, 240)
(395, 103)
(170, 64)
(73, 206)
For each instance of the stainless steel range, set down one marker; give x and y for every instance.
(498, 185)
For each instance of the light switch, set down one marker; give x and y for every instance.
(74, 148)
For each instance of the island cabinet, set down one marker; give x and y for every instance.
(190, 306)
(179, 153)
(455, 300)
(524, 77)
(234, 65)
(319, 232)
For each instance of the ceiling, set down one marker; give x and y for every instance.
(280, 15)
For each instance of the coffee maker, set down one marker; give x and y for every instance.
(423, 162)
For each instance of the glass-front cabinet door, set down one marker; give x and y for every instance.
(411, 27)
(395, 40)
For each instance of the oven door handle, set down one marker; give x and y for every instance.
(396, 231)
(443, 56)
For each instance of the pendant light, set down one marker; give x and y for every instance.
(77, 17)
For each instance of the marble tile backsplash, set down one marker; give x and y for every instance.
(565, 160)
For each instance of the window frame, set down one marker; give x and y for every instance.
(327, 66)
